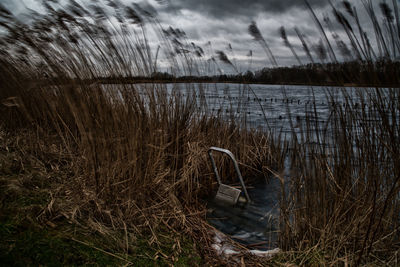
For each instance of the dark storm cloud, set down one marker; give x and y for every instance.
(227, 8)
(224, 22)
(13, 6)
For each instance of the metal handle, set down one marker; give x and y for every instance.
(226, 151)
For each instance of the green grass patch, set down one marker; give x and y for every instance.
(27, 247)
(25, 241)
(24, 245)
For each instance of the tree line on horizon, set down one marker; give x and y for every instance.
(385, 73)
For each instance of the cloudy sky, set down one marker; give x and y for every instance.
(224, 22)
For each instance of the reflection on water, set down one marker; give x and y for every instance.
(255, 224)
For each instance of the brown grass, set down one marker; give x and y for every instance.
(343, 192)
(136, 156)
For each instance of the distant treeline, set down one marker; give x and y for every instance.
(380, 73)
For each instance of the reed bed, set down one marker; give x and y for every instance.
(341, 203)
(137, 156)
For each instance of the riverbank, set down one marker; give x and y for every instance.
(120, 173)
(43, 223)
(135, 184)
(38, 227)
(35, 230)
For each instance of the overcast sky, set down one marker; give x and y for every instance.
(226, 22)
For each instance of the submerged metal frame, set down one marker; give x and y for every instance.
(229, 153)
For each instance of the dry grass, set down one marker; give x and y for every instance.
(137, 160)
(342, 203)
(136, 157)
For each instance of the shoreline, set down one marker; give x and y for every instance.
(257, 83)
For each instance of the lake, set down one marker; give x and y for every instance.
(269, 107)
(273, 108)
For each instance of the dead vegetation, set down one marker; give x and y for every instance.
(133, 159)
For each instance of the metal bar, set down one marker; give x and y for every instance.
(226, 151)
(214, 166)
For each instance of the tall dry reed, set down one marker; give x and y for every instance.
(137, 152)
(341, 200)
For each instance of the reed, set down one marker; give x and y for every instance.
(137, 153)
(342, 198)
